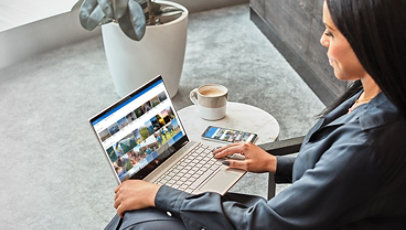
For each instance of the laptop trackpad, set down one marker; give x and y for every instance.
(222, 181)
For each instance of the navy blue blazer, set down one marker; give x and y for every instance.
(350, 173)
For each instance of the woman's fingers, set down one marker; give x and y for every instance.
(120, 211)
(116, 203)
(237, 148)
(133, 195)
(117, 188)
(219, 149)
(120, 205)
(236, 164)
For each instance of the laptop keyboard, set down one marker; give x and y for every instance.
(192, 170)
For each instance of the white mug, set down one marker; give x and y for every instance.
(211, 101)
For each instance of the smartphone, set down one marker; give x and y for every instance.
(228, 135)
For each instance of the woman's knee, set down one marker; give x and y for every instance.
(145, 219)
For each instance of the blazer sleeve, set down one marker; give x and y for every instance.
(284, 168)
(327, 195)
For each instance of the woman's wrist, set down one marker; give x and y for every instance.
(272, 163)
(154, 191)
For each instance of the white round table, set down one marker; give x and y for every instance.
(238, 116)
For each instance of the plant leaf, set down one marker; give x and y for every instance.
(91, 15)
(143, 3)
(133, 21)
(107, 8)
(155, 8)
(77, 5)
(120, 6)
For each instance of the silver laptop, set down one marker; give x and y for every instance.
(143, 138)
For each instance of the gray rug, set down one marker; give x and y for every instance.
(53, 174)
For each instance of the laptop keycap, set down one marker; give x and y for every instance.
(192, 170)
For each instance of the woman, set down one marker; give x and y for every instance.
(351, 169)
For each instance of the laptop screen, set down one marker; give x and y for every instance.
(140, 131)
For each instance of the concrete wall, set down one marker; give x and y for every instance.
(295, 27)
(34, 38)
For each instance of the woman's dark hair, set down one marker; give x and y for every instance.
(375, 29)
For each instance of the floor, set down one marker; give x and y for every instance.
(53, 174)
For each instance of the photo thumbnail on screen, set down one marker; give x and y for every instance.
(228, 135)
(144, 144)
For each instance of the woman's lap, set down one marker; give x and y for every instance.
(152, 218)
(145, 219)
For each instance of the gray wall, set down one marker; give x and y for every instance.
(296, 26)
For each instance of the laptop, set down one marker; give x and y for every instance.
(142, 138)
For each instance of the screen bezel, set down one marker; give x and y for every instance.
(142, 173)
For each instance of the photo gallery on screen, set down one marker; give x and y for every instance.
(138, 112)
(140, 147)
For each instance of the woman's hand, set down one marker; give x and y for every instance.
(134, 194)
(256, 159)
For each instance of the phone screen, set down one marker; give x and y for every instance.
(228, 135)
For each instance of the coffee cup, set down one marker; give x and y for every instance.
(210, 100)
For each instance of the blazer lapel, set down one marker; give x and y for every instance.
(316, 127)
(337, 116)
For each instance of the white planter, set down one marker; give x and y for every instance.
(160, 52)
